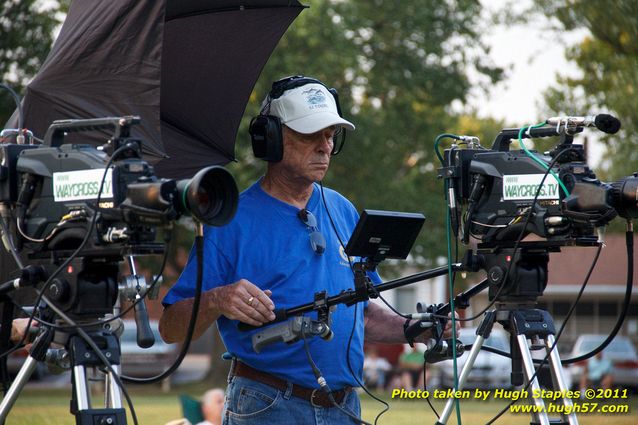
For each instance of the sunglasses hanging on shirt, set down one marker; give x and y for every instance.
(317, 240)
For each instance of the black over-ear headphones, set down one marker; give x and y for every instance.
(266, 131)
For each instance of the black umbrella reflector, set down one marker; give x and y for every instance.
(185, 67)
(210, 196)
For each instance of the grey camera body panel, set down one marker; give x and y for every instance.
(45, 211)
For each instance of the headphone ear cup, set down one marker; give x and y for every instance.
(335, 94)
(267, 139)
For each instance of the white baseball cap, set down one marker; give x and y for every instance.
(308, 109)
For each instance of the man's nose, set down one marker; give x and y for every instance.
(326, 142)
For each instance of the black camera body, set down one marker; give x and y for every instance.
(499, 187)
(66, 180)
(499, 196)
(52, 192)
(56, 198)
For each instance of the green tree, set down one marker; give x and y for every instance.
(608, 59)
(398, 68)
(26, 35)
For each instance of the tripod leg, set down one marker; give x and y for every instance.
(467, 368)
(528, 365)
(38, 353)
(112, 394)
(81, 388)
(558, 378)
(21, 379)
(483, 331)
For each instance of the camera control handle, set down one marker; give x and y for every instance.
(145, 337)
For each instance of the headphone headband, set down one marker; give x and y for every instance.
(279, 87)
(288, 83)
(266, 130)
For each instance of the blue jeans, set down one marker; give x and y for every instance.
(251, 402)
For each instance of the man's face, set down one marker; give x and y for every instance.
(307, 156)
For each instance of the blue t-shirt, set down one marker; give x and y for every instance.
(267, 244)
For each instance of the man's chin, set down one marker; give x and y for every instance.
(320, 176)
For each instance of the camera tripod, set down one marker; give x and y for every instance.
(526, 326)
(93, 294)
(515, 294)
(82, 357)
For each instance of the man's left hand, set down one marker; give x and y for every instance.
(447, 332)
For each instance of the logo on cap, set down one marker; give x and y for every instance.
(315, 98)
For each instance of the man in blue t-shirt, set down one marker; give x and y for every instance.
(285, 243)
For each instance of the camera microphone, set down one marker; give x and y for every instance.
(603, 122)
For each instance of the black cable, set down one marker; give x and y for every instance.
(354, 322)
(322, 382)
(18, 103)
(72, 256)
(95, 349)
(425, 381)
(361, 384)
(117, 316)
(199, 249)
(519, 239)
(395, 311)
(629, 241)
(558, 335)
(12, 249)
(89, 232)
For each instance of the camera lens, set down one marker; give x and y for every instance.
(210, 196)
(624, 196)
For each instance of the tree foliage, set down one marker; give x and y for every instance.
(26, 35)
(608, 59)
(398, 67)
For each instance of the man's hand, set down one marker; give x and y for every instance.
(243, 301)
(19, 329)
(447, 332)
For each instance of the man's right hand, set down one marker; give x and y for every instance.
(243, 301)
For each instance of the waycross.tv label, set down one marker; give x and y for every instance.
(518, 187)
(84, 184)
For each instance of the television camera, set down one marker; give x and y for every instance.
(500, 196)
(55, 195)
(499, 187)
(508, 194)
(74, 211)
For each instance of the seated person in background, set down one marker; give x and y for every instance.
(597, 374)
(209, 408)
(411, 367)
(212, 407)
(375, 369)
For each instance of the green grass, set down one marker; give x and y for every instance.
(51, 407)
